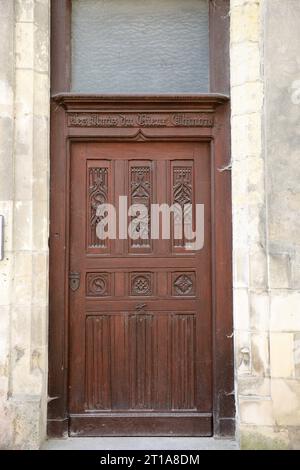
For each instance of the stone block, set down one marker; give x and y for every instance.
(40, 158)
(294, 437)
(284, 223)
(41, 94)
(24, 45)
(264, 438)
(286, 401)
(7, 415)
(23, 225)
(20, 330)
(242, 347)
(280, 270)
(256, 180)
(246, 136)
(256, 412)
(285, 311)
(239, 183)
(23, 141)
(249, 386)
(40, 225)
(240, 265)
(6, 158)
(295, 268)
(241, 309)
(247, 98)
(39, 326)
(282, 355)
(6, 209)
(258, 268)
(40, 276)
(4, 351)
(259, 311)
(24, 93)
(296, 351)
(41, 37)
(24, 10)
(24, 419)
(245, 22)
(6, 276)
(260, 358)
(245, 58)
(257, 226)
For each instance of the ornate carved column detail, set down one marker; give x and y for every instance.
(97, 194)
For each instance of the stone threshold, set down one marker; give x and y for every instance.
(139, 443)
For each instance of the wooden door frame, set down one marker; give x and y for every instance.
(74, 117)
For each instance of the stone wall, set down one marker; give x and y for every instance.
(265, 42)
(24, 173)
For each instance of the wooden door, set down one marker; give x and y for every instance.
(131, 352)
(140, 310)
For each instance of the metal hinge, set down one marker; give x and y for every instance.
(74, 281)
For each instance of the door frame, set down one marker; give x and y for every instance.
(72, 120)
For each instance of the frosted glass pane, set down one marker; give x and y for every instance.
(140, 46)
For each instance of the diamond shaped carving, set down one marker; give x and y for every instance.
(183, 284)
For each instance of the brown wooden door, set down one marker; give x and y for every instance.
(140, 320)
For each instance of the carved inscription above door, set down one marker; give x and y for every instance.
(140, 120)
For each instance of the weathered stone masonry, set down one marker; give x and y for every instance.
(265, 66)
(265, 63)
(24, 188)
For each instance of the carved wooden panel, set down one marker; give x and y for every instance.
(182, 185)
(183, 363)
(140, 192)
(99, 284)
(141, 284)
(141, 361)
(182, 195)
(97, 193)
(183, 284)
(98, 362)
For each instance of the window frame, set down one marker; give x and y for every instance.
(61, 53)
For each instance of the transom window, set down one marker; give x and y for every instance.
(140, 46)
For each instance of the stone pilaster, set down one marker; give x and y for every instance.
(265, 148)
(24, 198)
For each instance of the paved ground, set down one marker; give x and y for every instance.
(142, 443)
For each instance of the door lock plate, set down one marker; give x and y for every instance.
(74, 281)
